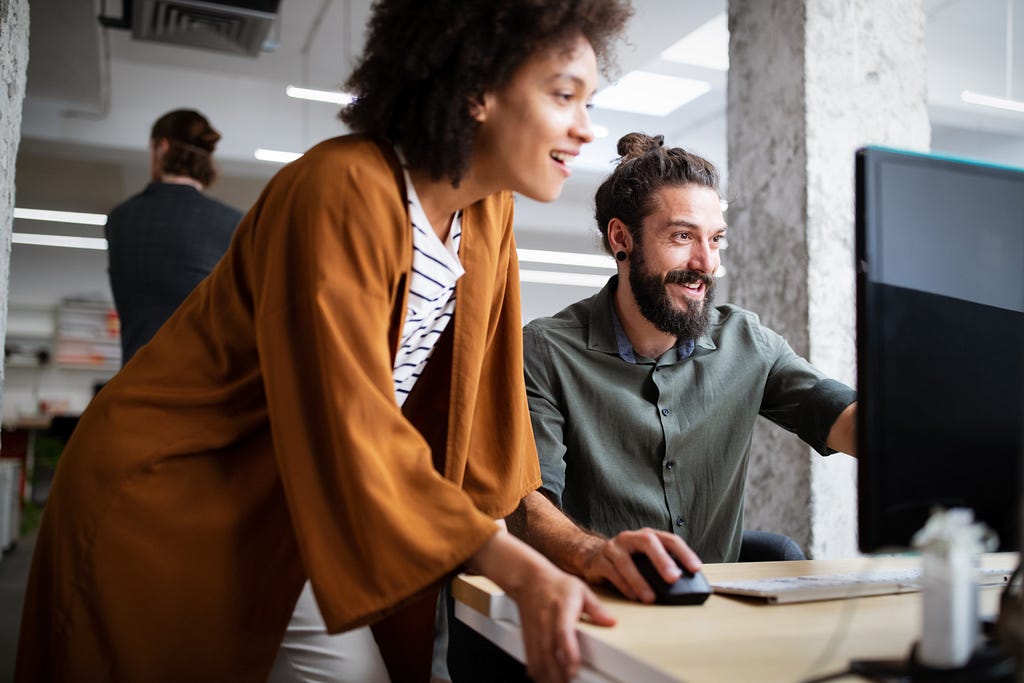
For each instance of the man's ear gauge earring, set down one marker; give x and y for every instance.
(621, 255)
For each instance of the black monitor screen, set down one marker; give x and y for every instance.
(940, 343)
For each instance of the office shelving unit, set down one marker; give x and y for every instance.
(87, 335)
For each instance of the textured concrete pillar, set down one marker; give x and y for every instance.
(809, 82)
(13, 67)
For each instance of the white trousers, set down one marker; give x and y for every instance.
(309, 654)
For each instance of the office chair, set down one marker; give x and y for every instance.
(765, 546)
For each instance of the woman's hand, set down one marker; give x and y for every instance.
(550, 603)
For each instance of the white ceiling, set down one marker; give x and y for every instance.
(93, 92)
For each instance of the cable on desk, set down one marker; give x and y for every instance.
(995, 660)
(840, 631)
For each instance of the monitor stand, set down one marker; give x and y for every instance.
(989, 664)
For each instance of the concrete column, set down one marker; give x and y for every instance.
(809, 82)
(13, 67)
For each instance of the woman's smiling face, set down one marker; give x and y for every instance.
(535, 125)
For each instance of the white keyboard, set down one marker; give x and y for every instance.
(839, 586)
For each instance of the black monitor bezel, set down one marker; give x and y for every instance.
(874, 536)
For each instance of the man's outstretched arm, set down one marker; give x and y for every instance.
(595, 558)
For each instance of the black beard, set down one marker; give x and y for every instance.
(655, 304)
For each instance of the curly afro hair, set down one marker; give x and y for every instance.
(425, 63)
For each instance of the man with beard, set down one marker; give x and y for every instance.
(644, 397)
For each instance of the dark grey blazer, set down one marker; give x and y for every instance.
(161, 243)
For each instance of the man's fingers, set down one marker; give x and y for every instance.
(623, 585)
(629, 582)
(614, 563)
(681, 551)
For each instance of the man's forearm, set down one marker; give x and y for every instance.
(538, 522)
(843, 435)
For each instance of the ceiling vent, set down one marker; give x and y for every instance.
(235, 26)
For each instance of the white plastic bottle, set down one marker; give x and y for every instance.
(950, 543)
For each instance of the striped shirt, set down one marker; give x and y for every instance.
(431, 304)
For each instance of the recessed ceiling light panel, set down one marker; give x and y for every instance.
(707, 46)
(641, 92)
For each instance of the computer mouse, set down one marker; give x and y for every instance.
(689, 589)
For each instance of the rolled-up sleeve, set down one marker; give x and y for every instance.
(797, 397)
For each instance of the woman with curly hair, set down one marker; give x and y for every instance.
(342, 399)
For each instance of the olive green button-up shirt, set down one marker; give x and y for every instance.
(627, 441)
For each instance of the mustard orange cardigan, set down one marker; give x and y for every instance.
(256, 441)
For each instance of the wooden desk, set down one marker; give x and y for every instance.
(731, 639)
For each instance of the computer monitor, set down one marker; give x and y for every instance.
(940, 343)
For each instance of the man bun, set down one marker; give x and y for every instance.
(633, 145)
(191, 140)
(645, 165)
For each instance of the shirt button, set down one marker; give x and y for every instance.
(670, 464)
(679, 521)
(665, 411)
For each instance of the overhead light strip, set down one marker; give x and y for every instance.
(547, 277)
(61, 216)
(525, 255)
(277, 156)
(566, 258)
(331, 96)
(992, 101)
(96, 243)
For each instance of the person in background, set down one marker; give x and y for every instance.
(163, 241)
(342, 399)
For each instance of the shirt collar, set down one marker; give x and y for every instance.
(607, 334)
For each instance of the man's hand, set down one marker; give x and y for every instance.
(594, 557)
(611, 561)
(550, 603)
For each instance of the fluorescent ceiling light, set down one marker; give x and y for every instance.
(991, 101)
(547, 277)
(61, 216)
(707, 46)
(332, 96)
(566, 258)
(59, 241)
(641, 92)
(276, 155)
